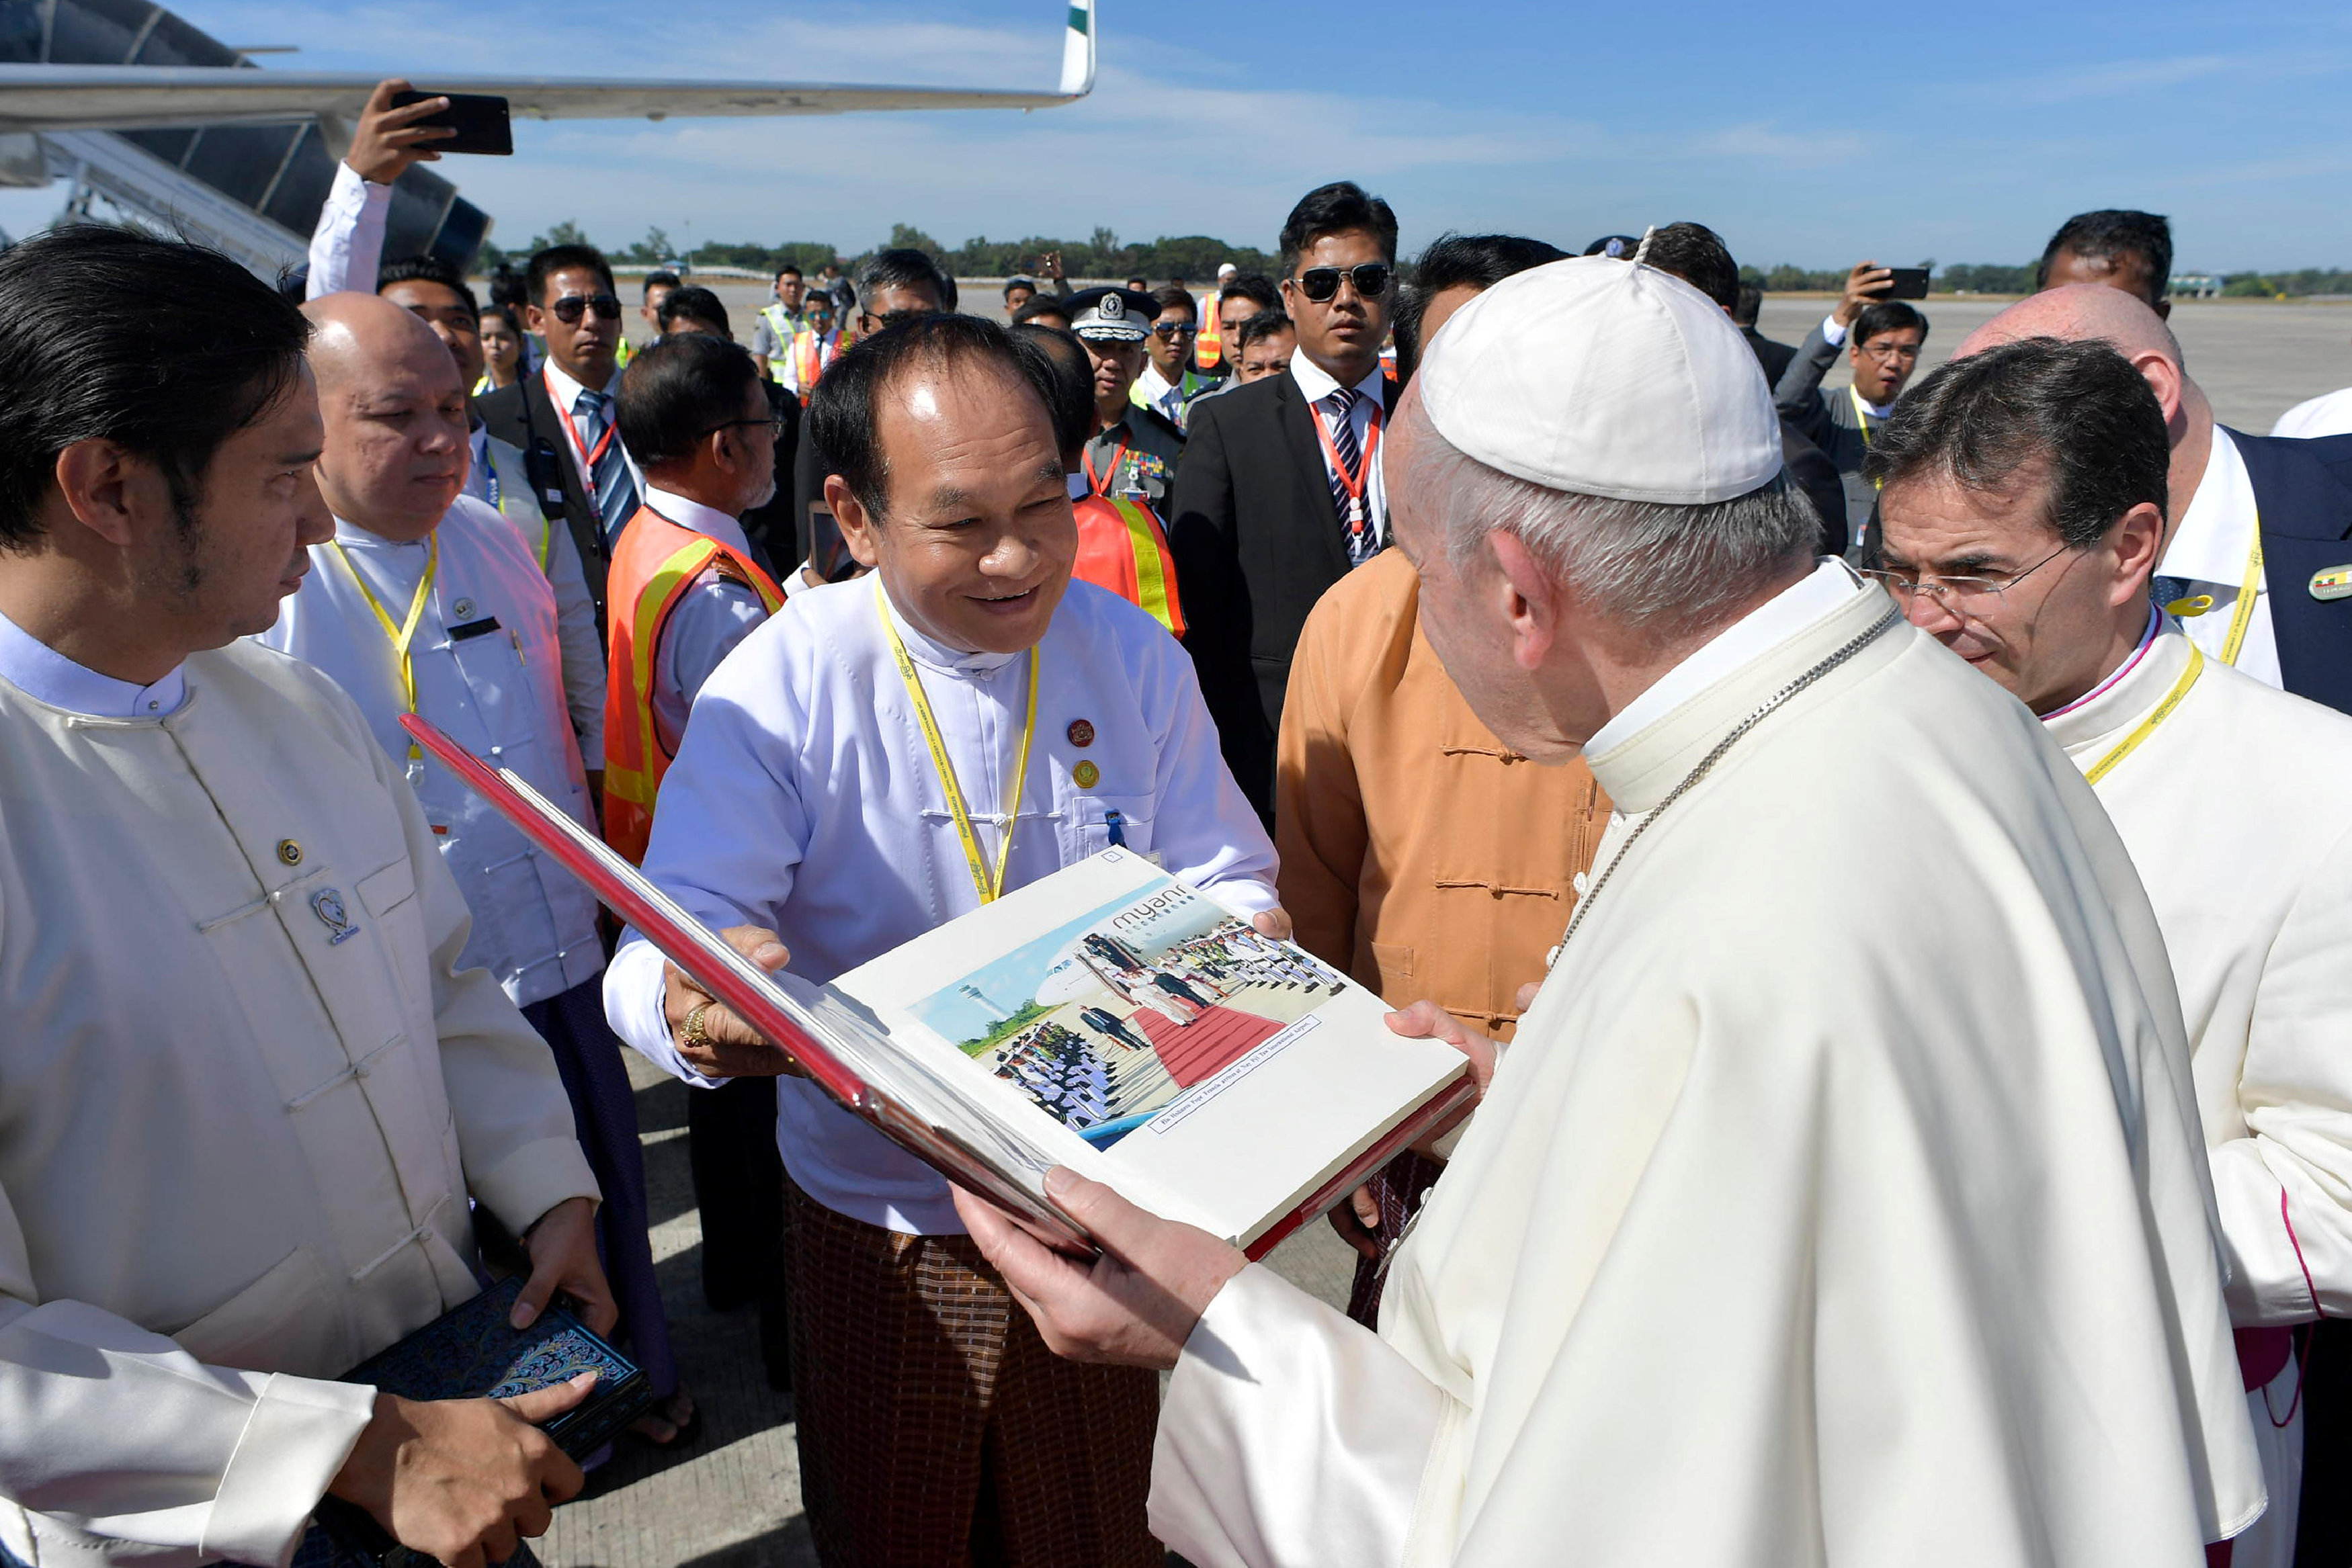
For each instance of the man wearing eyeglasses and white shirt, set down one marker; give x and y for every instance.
(568, 404)
(1280, 492)
(2228, 795)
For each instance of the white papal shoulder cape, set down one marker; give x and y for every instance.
(1842, 1202)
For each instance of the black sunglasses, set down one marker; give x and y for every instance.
(1169, 332)
(571, 306)
(1321, 284)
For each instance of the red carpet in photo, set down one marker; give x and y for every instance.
(1216, 1039)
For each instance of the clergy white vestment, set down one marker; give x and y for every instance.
(2237, 808)
(1841, 1201)
(487, 658)
(804, 799)
(245, 1094)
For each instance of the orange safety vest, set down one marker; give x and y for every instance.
(653, 565)
(1208, 348)
(1122, 547)
(809, 361)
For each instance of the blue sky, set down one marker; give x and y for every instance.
(1902, 132)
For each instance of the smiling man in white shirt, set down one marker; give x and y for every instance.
(807, 805)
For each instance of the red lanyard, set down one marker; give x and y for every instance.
(1094, 483)
(588, 460)
(1353, 483)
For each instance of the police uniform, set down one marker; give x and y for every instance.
(1136, 454)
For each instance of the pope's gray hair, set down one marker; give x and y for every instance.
(1666, 569)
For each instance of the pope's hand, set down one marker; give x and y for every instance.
(563, 1247)
(724, 1046)
(1357, 1221)
(1133, 1306)
(1275, 923)
(460, 1480)
(1427, 1020)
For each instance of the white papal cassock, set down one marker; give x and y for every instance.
(1842, 1200)
(244, 1096)
(2237, 808)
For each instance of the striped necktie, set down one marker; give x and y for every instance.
(617, 492)
(1354, 516)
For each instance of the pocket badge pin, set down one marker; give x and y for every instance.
(327, 904)
(2333, 582)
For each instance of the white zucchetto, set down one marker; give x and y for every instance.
(1604, 378)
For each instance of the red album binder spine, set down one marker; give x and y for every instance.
(1402, 1136)
(665, 932)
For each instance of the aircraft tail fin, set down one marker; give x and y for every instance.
(1078, 50)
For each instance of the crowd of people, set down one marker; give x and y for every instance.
(1916, 1116)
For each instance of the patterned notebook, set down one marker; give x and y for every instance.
(470, 1353)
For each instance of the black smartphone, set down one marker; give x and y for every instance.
(1908, 283)
(480, 120)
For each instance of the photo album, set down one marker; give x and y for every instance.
(1108, 1018)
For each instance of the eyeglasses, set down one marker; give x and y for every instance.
(1891, 350)
(774, 421)
(869, 322)
(1169, 332)
(1321, 284)
(1950, 592)
(571, 306)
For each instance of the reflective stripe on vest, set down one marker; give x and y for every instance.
(1208, 348)
(780, 322)
(634, 760)
(1155, 584)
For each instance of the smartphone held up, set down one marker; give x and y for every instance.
(479, 121)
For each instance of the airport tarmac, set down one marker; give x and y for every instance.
(2255, 359)
(732, 1500)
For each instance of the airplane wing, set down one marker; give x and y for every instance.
(124, 98)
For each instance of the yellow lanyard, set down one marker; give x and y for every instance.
(1860, 411)
(2147, 726)
(401, 635)
(2243, 615)
(1861, 418)
(990, 888)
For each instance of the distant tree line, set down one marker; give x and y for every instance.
(1195, 258)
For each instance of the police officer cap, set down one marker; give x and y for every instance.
(1112, 314)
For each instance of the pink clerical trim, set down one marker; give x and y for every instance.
(2147, 641)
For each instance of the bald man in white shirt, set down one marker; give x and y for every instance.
(483, 663)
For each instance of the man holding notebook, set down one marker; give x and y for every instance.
(894, 752)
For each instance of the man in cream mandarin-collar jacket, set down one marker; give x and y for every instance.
(245, 1092)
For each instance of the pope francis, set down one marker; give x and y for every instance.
(1842, 1198)
(245, 1093)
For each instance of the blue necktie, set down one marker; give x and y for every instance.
(617, 492)
(2171, 590)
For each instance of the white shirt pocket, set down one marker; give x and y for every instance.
(1102, 821)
